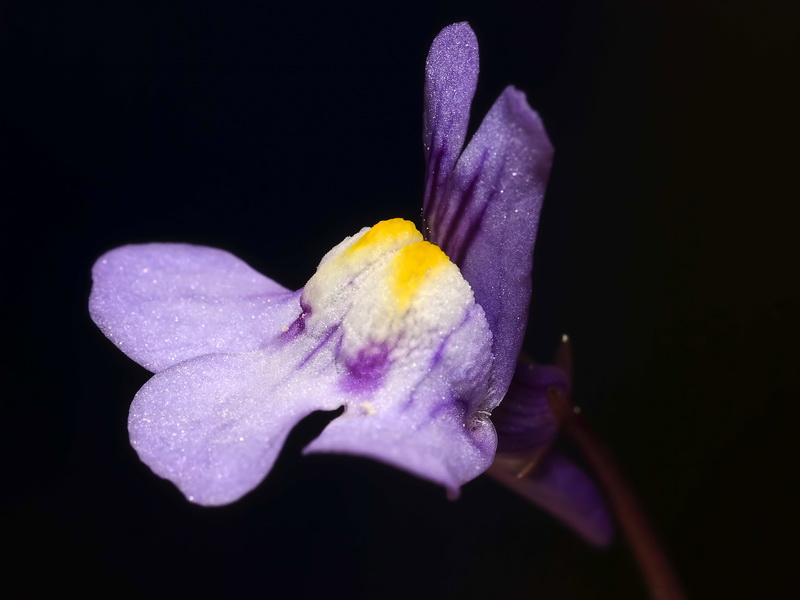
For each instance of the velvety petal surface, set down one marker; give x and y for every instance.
(561, 488)
(430, 417)
(524, 420)
(486, 220)
(214, 425)
(165, 303)
(387, 327)
(451, 74)
(418, 355)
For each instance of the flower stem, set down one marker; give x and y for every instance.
(656, 569)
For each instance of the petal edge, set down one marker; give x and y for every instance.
(487, 219)
(165, 303)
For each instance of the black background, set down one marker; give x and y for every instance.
(667, 250)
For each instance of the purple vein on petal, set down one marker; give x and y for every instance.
(449, 222)
(432, 191)
(451, 75)
(325, 338)
(482, 203)
(470, 235)
(442, 406)
(437, 356)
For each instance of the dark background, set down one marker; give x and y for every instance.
(667, 250)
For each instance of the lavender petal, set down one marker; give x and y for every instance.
(214, 425)
(386, 327)
(487, 218)
(524, 420)
(561, 488)
(165, 303)
(451, 74)
(430, 416)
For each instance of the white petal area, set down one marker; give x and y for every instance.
(417, 356)
(165, 303)
(430, 416)
(215, 425)
(387, 327)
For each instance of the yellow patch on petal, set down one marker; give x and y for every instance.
(383, 284)
(354, 257)
(384, 235)
(411, 267)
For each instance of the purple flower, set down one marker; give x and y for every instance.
(527, 463)
(418, 340)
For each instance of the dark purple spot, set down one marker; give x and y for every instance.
(365, 371)
(298, 326)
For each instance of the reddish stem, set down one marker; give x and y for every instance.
(657, 571)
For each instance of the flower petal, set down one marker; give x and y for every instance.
(487, 218)
(429, 417)
(387, 326)
(214, 425)
(415, 354)
(165, 303)
(524, 420)
(451, 74)
(561, 488)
